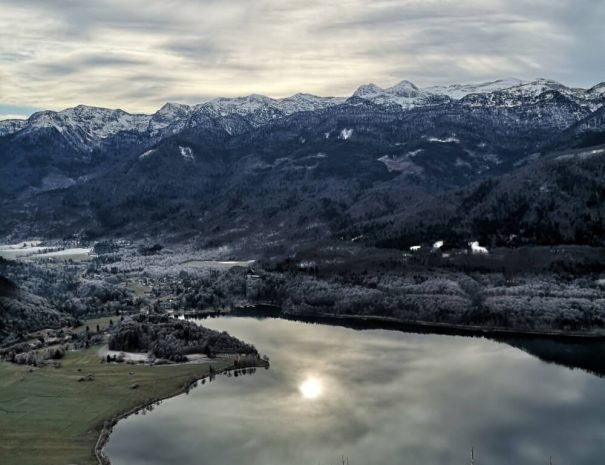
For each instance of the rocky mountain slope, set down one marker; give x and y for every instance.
(307, 167)
(556, 200)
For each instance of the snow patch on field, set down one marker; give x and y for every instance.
(217, 264)
(20, 245)
(345, 134)
(22, 249)
(447, 140)
(32, 250)
(413, 153)
(124, 356)
(582, 155)
(147, 154)
(476, 248)
(75, 253)
(398, 164)
(461, 162)
(186, 153)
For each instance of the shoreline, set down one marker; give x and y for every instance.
(453, 329)
(108, 425)
(418, 326)
(359, 322)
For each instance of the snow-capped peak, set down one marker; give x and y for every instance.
(171, 118)
(536, 87)
(599, 89)
(9, 126)
(306, 102)
(404, 94)
(239, 105)
(86, 127)
(260, 109)
(366, 90)
(404, 89)
(171, 108)
(249, 102)
(458, 91)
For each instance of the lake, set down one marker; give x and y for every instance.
(375, 397)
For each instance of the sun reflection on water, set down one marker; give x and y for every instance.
(311, 388)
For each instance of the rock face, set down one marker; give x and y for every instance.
(298, 167)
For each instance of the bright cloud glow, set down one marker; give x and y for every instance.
(311, 388)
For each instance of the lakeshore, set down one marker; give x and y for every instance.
(422, 327)
(399, 324)
(376, 395)
(46, 412)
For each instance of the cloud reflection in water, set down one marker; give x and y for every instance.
(377, 397)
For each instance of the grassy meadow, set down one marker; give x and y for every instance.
(48, 417)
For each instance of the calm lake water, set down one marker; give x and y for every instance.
(375, 397)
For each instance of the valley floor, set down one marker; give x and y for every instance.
(47, 412)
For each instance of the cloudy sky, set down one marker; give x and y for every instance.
(138, 54)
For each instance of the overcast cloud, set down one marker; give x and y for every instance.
(138, 54)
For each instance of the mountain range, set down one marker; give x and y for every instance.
(385, 164)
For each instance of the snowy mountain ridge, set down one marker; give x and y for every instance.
(504, 92)
(457, 91)
(86, 128)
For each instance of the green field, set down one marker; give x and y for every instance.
(102, 322)
(47, 417)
